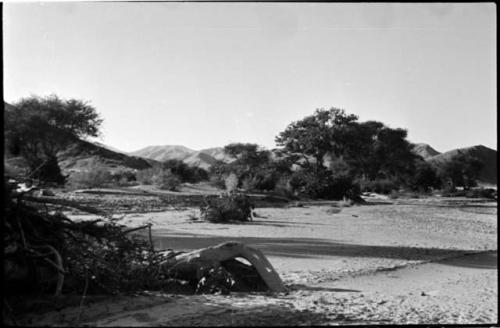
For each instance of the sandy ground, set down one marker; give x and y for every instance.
(384, 263)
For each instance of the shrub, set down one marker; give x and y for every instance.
(231, 182)
(249, 183)
(166, 180)
(324, 184)
(380, 186)
(162, 178)
(146, 176)
(283, 187)
(488, 193)
(124, 178)
(217, 181)
(185, 172)
(95, 176)
(394, 194)
(231, 207)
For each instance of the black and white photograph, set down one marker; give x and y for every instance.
(211, 163)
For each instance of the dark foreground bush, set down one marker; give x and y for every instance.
(227, 208)
(97, 257)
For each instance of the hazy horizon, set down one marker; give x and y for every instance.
(203, 75)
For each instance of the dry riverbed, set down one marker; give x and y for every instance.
(422, 261)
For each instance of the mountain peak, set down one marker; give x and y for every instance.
(425, 150)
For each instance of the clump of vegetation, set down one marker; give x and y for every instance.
(166, 180)
(488, 193)
(185, 172)
(217, 181)
(253, 168)
(227, 208)
(162, 178)
(231, 182)
(124, 178)
(380, 186)
(44, 249)
(94, 176)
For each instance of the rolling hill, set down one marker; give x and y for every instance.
(487, 155)
(77, 157)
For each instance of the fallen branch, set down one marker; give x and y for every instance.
(194, 263)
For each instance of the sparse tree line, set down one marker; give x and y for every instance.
(329, 154)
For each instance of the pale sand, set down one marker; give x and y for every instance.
(364, 264)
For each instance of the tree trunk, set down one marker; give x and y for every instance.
(191, 265)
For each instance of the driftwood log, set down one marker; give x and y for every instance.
(194, 264)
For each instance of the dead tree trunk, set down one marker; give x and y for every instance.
(191, 265)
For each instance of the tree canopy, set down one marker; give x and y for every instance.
(37, 128)
(371, 149)
(461, 170)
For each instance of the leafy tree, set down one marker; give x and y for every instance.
(38, 128)
(369, 150)
(249, 160)
(316, 135)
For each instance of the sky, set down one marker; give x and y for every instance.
(207, 74)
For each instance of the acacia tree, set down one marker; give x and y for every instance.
(37, 128)
(370, 149)
(316, 135)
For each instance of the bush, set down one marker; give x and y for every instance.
(488, 193)
(166, 180)
(162, 178)
(380, 186)
(405, 194)
(95, 176)
(217, 181)
(283, 187)
(227, 208)
(146, 176)
(185, 172)
(231, 182)
(324, 184)
(124, 178)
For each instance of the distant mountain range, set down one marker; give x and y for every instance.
(204, 158)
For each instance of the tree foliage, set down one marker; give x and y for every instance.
(316, 135)
(368, 150)
(185, 172)
(461, 170)
(37, 128)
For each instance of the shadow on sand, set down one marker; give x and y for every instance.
(320, 248)
(486, 260)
